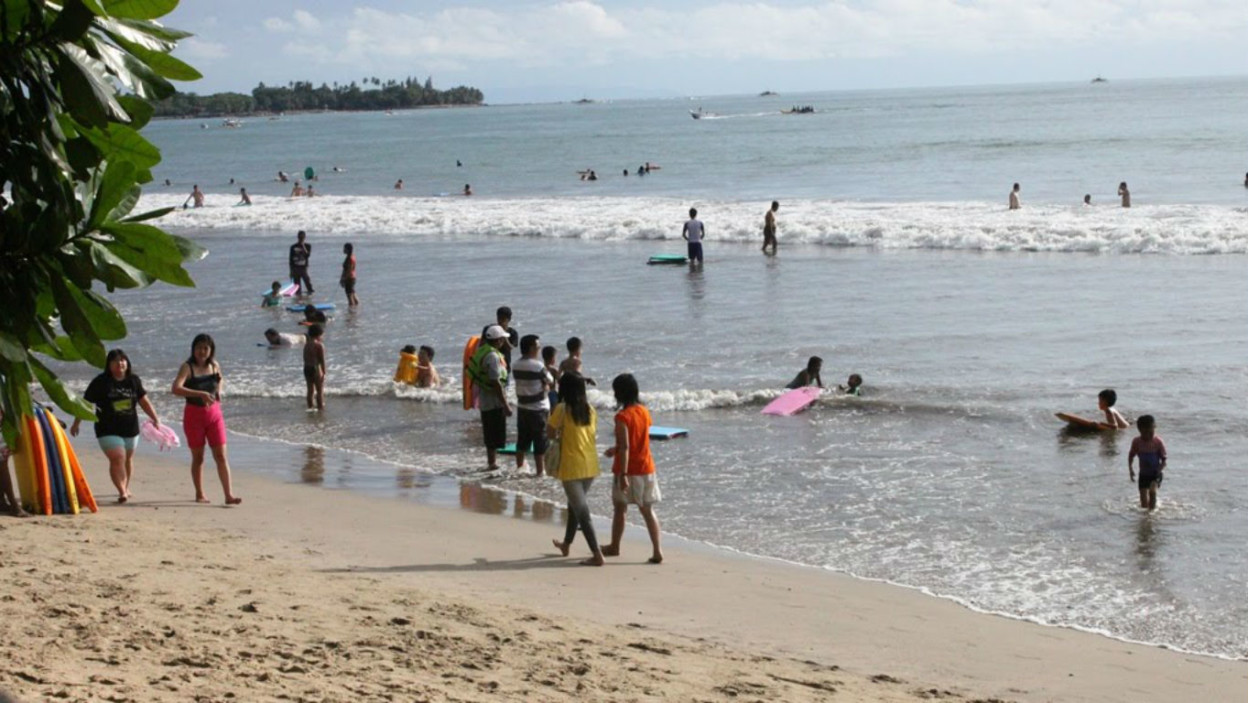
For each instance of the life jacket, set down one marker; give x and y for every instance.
(406, 373)
(476, 365)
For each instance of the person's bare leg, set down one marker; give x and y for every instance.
(117, 472)
(652, 526)
(129, 470)
(519, 459)
(491, 455)
(197, 474)
(1152, 496)
(1144, 498)
(617, 530)
(310, 394)
(539, 462)
(320, 395)
(8, 493)
(223, 473)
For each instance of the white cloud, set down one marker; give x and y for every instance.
(583, 31)
(274, 24)
(195, 49)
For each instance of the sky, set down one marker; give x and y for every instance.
(521, 51)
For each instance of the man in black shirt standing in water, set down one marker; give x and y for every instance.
(300, 252)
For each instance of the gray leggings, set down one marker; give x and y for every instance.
(578, 513)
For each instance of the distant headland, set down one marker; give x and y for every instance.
(302, 96)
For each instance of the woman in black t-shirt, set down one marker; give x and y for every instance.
(117, 395)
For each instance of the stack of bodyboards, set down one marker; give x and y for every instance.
(48, 474)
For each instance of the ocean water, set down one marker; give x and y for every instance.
(970, 324)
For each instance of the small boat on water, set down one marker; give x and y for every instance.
(799, 110)
(700, 113)
(231, 123)
(1100, 79)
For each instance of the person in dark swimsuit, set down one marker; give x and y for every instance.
(199, 381)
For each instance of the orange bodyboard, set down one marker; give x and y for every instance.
(34, 442)
(469, 350)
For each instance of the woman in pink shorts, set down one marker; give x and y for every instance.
(199, 381)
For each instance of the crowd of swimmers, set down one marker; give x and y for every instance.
(1124, 195)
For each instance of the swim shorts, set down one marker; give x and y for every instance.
(310, 373)
(348, 285)
(1147, 476)
(110, 442)
(531, 431)
(494, 428)
(695, 251)
(203, 423)
(643, 489)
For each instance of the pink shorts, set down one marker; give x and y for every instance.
(203, 424)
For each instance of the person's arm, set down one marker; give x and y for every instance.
(321, 360)
(621, 453)
(91, 395)
(684, 232)
(147, 408)
(819, 379)
(494, 371)
(552, 428)
(1131, 459)
(434, 378)
(1161, 454)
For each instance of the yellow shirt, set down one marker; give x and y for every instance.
(578, 449)
(407, 371)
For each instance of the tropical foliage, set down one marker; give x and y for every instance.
(77, 83)
(301, 95)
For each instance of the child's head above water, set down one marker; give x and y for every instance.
(854, 381)
(1107, 398)
(277, 287)
(1147, 426)
(408, 349)
(271, 335)
(426, 352)
(814, 364)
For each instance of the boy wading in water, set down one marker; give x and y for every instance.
(1152, 454)
(769, 228)
(314, 367)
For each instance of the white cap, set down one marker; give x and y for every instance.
(495, 332)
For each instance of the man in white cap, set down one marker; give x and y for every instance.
(489, 375)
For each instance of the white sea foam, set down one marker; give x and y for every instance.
(972, 226)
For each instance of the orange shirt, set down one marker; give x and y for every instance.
(637, 419)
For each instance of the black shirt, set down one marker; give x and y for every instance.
(116, 404)
(299, 254)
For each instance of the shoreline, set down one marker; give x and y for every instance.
(823, 630)
(688, 544)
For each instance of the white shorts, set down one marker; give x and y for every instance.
(642, 490)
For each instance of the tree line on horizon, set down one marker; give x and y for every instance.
(302, 95)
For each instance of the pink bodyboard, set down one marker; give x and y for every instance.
(793, 401)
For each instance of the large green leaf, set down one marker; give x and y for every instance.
(150, 249)
(11, 348)
(163, 63)
(134, 32)
(71, 404)
(140, 110)
(159, 268)
(156, 29)
(75, 321)
(73, 21)
(139, 9)
(116, 184)
(120, 142)
(60, 348)
(150, 215)
(13, 16)
(115, 271)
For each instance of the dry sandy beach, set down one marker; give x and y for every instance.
(311, 594)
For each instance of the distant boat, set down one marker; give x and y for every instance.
(1099, 79)
(584, 101)
(799, 110)
(767, 94)
(231, 123)
(699, 114)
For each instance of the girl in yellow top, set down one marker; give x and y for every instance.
(575, 424)
(633, 471)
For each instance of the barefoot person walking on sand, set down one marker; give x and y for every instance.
(575, 424)
(633, 470)
(117, 395)
(199, 381)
